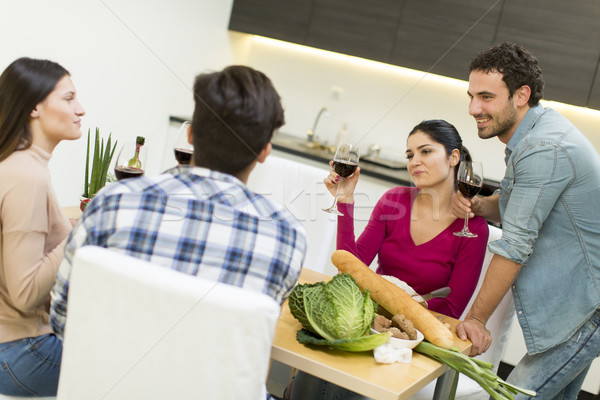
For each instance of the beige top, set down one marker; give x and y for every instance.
(33, 233)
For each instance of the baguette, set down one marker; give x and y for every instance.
(394, 299)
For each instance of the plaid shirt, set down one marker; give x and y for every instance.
(196, 221)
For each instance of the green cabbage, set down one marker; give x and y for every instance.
(336, 314)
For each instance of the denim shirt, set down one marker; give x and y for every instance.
(550, 209)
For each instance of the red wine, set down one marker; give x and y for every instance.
(128, 172)
(468, 189)
(183, 156)
(344, 168)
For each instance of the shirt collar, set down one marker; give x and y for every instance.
(41, 153)
(205, 172)
(523, 128)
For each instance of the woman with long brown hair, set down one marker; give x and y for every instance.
(38, 109)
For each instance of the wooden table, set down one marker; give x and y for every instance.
(358, 372)
(72, 212)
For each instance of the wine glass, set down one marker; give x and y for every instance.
(182, 148)
(470, 180)
(345, 162)
(131, 161)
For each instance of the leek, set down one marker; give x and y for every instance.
(478, 370)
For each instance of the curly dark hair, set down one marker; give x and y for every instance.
(517, 65)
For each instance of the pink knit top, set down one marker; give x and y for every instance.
(445, 260)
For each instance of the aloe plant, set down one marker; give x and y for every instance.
(100, 162)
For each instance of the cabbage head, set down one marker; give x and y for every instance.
(335, 314)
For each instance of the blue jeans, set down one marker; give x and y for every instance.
(30, 367)
(559, 372)
(308, 387)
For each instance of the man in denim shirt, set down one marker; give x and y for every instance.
(549, 207)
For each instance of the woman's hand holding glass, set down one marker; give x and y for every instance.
(346, 186)
(345, 163)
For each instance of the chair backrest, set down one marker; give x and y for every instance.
(498, 324)
(139, 331)
(300, 188)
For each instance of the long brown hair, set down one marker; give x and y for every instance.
(24, 84)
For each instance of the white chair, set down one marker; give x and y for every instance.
(300, 188)
(499, 325)
(139, 331)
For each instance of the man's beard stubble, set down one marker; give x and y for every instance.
(501, 124)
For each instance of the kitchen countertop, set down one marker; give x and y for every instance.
(297, 146)
(294, 145)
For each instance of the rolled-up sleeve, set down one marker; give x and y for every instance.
(540, 174)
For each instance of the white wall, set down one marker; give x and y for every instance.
(133, 64)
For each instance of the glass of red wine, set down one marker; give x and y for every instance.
(345, 162)
(182, 148)
(131, 161)
(470, 180)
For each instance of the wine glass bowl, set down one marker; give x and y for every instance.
(469, 183)
(131, 161)
(344, 163)
(344, 168)
(183, 150)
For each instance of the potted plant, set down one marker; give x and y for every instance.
(96, 175)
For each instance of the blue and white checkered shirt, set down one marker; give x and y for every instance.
(196, 221)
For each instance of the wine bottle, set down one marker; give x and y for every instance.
(135, 162)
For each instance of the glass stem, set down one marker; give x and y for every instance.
(337, 191)
(466, 226)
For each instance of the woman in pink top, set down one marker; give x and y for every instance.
(38, 109)
(411, 232)
(411, 228)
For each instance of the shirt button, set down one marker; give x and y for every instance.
(520, 312)
(514, 286)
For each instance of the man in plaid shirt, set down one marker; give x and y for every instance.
(201, 219)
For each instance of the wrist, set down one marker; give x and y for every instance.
(476, 319)
(346, 199)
